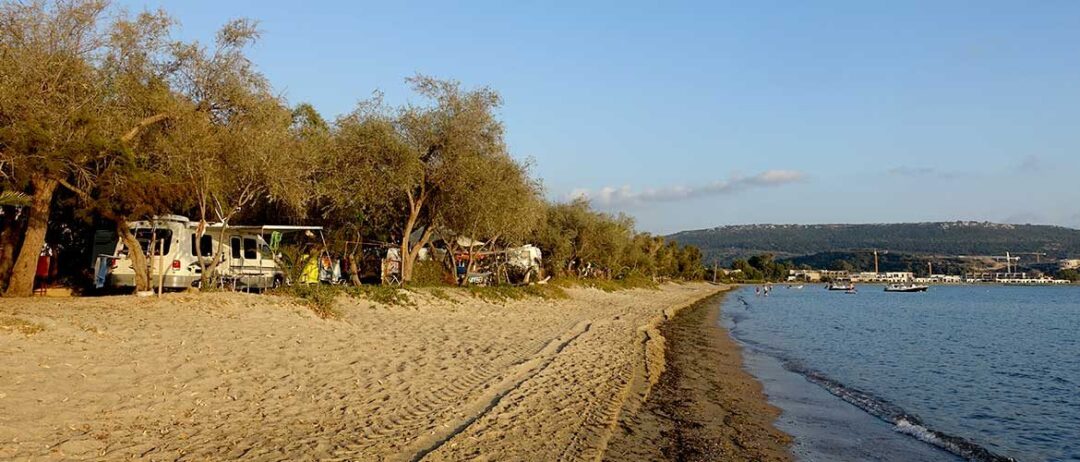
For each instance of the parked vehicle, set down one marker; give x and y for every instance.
(250, 255)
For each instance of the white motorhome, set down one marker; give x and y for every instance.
(249, 257)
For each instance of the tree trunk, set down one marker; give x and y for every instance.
(21, 283)
(209, 271)
(138, 259)
(12, 227)
(354, 266)
(415, 252)
(406, 262)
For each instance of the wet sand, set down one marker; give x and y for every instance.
(227, 376)
(705, 407)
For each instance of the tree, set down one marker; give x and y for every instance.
(502, 204)
(361, 160)
(1069, 275)
(423, 159)
(55, 99)
(230, 140)
(132, 183)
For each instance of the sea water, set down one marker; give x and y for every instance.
(968, 372)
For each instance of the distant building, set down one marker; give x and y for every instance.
(834, 275)
(940, 279)
(1069, 264)
(895, 276)
(1012, 278)
(804, 275)
(891, 276)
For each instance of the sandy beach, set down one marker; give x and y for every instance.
(222, 376)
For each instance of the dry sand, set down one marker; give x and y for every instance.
(223, 376)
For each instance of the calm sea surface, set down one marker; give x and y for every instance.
(983, 372)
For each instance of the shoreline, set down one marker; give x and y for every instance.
(705, 405)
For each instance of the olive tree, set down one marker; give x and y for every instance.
(231, 141)
(420, 160)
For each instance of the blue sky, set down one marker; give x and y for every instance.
(697, 114)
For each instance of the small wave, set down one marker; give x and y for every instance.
(902, 421)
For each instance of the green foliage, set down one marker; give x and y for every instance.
(1069, 275)
(496, 294)
(580, 242)
(431, 273)
(892, 261)
(545, 291)
(761, 268)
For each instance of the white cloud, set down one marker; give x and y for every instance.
(625, 195)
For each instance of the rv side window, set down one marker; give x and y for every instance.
(206, 243)
(235, 243)
(143, 235)
(251, 249)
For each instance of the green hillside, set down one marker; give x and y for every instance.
(726, 243)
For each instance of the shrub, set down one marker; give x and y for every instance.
(318, 297)
(431, 273)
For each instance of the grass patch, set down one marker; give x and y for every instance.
(321, 297)
(546, 291)
(496, 294)
(21, 326)
(383, 295)
(318, 297)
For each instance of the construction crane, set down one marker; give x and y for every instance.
(1009, 259)
(1038, 255)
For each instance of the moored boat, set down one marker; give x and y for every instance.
(906, 288)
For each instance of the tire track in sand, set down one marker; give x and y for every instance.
(520, 373)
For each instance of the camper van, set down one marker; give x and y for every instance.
(249, 254)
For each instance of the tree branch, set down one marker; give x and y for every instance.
(83, 194)
(131, 134)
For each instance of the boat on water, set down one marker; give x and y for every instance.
(841, 286)
(906, 288)
(790, 286)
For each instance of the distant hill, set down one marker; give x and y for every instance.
(726, 243)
